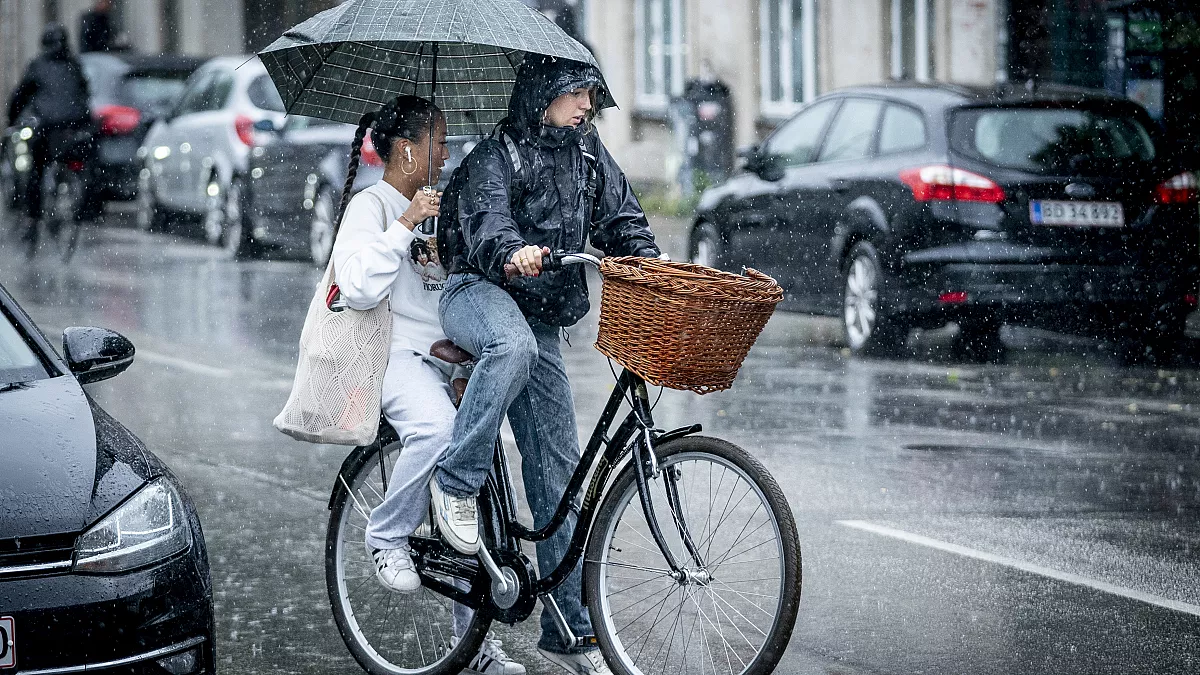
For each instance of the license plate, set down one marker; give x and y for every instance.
(8, 655)
(1079, 214)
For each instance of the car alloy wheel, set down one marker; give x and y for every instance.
(320, 234)
(861, 301)
(234, 235)
(214, 211)
(148, 217)
(869, 329)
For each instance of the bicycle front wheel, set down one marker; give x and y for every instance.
(388, 633)
(732, 609)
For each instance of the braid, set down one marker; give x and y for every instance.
(352, 170)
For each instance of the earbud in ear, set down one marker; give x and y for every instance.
(408, 153)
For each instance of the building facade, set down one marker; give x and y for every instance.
(772, 55)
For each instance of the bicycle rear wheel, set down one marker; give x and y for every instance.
(733, 609)
(388, 633)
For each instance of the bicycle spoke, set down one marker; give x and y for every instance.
(701, 622)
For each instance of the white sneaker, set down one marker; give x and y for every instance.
(586, 663)
(395, 570)
(491, 659)
(456, 519)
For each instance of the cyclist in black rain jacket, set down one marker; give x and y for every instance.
(516, 205)
(544, 203)
(53, 97)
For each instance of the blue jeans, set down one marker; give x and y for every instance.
(519, 371)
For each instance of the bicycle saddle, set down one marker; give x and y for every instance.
(450, 352)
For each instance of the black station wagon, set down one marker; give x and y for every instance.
(903, 206)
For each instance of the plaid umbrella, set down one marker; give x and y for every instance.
(461, 54)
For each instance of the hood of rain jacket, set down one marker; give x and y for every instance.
(501, 210)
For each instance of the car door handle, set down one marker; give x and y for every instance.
(841, 185)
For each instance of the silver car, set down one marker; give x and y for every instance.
(196, 156)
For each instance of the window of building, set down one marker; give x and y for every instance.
(852, 131)
(787, 57)
(902, 130)
(661, 52)
(912, 46)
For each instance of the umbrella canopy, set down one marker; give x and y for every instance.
(462, 54)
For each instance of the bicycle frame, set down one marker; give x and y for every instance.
(635, 434)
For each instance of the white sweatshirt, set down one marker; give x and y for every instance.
(376, 256)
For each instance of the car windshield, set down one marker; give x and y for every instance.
(18, 362)
(151, 92)
(1051, 140)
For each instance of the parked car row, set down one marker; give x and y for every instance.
(906, 206)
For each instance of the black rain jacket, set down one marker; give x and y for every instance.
(53, 90)
(499, 213)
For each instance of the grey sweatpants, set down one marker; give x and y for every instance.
(417, 402)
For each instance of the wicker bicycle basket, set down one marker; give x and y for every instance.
(682, 326)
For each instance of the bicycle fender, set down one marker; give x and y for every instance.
(671, 435)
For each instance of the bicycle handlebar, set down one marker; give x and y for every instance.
(560, 259)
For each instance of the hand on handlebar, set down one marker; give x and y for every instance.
(527, 261)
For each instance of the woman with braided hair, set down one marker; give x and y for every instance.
(375, 258)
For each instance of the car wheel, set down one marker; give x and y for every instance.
(236, 235)
(979, 340)
(320, 232)
(706, 246)
(868, 328)
(150, 216)
(214, 211)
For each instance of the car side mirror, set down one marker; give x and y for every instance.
(767, 166)
(96, 354)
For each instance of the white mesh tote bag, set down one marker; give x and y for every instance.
(339, 379)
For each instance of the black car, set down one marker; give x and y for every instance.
(907, 205)
(297, 175)
(129, 92)
(102, 559)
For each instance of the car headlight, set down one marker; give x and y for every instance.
(150, 526)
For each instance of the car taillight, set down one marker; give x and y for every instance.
(941, 182)
(370, 156)
(116, 120)
(244, 126)
(1181, 189)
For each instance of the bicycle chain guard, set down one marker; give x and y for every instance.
(519, 601)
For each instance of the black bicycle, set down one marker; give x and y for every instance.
(691, 561)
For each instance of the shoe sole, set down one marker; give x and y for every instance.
(552, 658)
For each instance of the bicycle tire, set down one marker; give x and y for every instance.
(714, 603)
(385, 648)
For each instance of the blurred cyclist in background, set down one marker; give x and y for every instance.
(52, 99)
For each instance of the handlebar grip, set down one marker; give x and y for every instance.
(552, 262)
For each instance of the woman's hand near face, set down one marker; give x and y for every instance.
(423, 206)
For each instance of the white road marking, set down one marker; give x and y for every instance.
(212, 371)
(183, 364)
(1067, 577)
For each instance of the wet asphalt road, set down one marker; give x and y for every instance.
(1036, 516)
